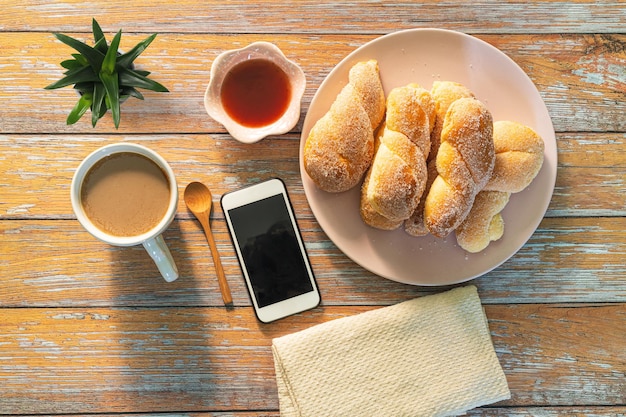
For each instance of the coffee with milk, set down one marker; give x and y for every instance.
(125, 194)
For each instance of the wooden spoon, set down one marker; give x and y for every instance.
(199, 200)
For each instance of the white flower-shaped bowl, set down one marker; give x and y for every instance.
(229, 59)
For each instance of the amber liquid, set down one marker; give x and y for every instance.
(256, 93)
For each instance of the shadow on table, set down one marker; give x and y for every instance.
(170, 345)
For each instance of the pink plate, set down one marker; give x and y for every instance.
(424, 56)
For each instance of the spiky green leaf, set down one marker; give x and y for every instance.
(111, 85)
(81, 59)
(97, 31)
(83, 88)
(134, 93)
(98, 102)
(101, 46)
(132, 78)
(126, 59)
(71, 64)
(108, 64)
(131, 92)
(103, 109)
(92, 55)
(83, 103)
(81, 75)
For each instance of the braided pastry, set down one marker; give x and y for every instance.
(444, 93)
(415, 225)
(519, 157)
(465, 161)
(370, 216)
(340, 146)
(484, 222)
(397, 178)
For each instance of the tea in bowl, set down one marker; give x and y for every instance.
(126, 194)
(255, 92)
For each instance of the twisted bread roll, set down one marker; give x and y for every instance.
(397, 178)
(415, 225)
(444, 93)
(465, 161)
(519, 157)
(340, 146)
(411, 111)
(484, 222)
(370, 216)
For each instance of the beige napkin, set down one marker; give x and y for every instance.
(431, 356)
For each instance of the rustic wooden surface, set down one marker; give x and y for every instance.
(88, 329)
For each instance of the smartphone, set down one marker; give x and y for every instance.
(270, 250)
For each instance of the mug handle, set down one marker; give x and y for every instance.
(160, 254)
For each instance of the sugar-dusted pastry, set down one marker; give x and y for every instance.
(340, 146)
(411, 111)
(415, 225)
(444, 93)
(519, 156)
(397, 177)
(370, 216)
(484, 222)
(465, 162)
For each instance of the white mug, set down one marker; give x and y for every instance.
(151, 240)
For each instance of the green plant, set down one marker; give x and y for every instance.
(103, 76)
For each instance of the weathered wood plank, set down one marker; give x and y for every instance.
(164, 360)
(491, 16)
(566, 260)
(548, 412)
(86, 329)
(570, 83)
(479, 412)
(488, 411)
(36, 171)
(581, 78)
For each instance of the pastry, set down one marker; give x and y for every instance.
(484, 222)
(519, 157)
(444, 93)
(415, 224)
(465, 161)
(370, 216)
(340, 146)
(397, 177)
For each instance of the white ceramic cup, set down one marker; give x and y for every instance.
(151, 240)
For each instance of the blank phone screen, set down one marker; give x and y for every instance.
(270, 250)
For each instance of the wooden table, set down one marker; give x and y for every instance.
(90, 329)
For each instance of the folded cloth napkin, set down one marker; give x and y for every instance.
(431, 356)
